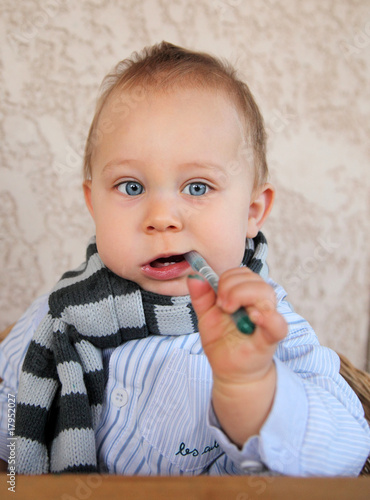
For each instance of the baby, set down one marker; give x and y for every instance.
(136, 366)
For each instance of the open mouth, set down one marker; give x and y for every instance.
(166, 268)
(166, 261)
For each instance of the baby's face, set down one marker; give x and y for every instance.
(169, 177)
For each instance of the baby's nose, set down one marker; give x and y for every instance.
(162, 215)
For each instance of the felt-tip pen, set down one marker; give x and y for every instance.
(199, 264)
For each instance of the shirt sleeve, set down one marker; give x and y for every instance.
(316, 426)
(12, 352)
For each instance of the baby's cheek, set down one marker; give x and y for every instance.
(106, 249)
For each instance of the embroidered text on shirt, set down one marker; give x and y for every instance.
(183, 451)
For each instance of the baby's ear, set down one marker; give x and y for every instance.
(87, 194)
(261, 205)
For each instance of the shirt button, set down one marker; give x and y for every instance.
(252, 465)
(119, 397)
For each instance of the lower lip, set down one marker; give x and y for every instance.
(167, 272)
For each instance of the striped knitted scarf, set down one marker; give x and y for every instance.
(61, 386)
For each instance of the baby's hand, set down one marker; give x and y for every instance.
(244, 375)
(235, 356)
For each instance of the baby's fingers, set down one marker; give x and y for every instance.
(271, 324)
(243, 288)
(202, 295)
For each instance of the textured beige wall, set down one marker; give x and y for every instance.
(308, 64)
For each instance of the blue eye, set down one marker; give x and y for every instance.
(196, 189)
(132, 188)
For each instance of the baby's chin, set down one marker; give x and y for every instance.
(173, 288)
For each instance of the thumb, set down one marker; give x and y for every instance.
(201, 294)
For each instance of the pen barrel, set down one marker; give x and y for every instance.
(208, 273)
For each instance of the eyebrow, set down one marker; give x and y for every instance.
(116, 163)
(206, 165)
(197, 164)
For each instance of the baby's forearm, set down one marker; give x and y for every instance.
(242, 408)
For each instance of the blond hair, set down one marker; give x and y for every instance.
(164, 66)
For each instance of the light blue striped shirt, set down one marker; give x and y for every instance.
(157, 416)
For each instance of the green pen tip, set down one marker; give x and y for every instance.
(245, 325)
